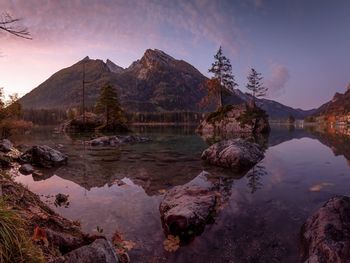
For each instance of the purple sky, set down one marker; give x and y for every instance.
(301, 47)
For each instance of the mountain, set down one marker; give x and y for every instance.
(338, 106)
(275, 109)
(156, 82)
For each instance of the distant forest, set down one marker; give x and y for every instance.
(57, 116)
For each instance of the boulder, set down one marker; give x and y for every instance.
(7, 149)
(5, 146)
(26, 169)
(117, 140)
(100, 251)
(232, 120)
(186, 209)
(90, 122)
(44, 156)
(326, 234)
(237, 154)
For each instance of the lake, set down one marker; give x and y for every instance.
(259, 221)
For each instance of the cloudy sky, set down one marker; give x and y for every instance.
(301, 47)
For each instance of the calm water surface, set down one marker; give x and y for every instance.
(259, 222)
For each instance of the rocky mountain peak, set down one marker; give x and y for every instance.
(86, 58)
(114, 67)
(156, 56)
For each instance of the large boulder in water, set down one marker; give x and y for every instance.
(237, 154)
(44, 156)
(326, 234)
(231, 120)
(186, 209)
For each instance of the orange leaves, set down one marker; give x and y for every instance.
(40, 235)
(172, 243)
(122, 245)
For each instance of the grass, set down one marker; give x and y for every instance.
(15, 245)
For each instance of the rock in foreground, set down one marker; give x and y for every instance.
(117, 140)
(5, 145)
(44, 156)
(235, 153)
(326, 234)
(100, 251)
(231, 120)
(186, 209)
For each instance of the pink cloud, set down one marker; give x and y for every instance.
(277, 80)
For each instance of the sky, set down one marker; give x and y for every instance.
(300, 47)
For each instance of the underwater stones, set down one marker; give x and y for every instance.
(117, 140)
(186, 209)
(235, 153)
(44, 156)
(325, 236)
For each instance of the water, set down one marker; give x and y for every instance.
(260, 221)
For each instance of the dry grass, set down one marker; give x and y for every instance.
(15, 245)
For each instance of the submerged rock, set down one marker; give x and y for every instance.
(117, 140)
(186, 209)
(231, 120)
(44, 156)
(326, 234)
(100, 251)
(235, 153)
(26, 169)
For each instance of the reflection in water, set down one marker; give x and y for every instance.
(254, 177)
(259, 227)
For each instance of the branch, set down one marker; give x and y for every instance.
(9, 24)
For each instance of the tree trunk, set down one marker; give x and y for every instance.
(220, 99)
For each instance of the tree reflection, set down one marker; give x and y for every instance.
(254, 177)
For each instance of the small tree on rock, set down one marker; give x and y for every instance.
(108, 104)
(255, 85)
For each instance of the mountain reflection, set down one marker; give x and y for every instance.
(173, 157)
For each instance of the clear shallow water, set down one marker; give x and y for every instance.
(260, 221)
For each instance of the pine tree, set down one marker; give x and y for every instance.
(108, 104)
(255, 85)
(222, 70)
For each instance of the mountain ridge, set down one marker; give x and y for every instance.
(155, 82)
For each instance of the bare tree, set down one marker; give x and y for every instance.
(10, 25)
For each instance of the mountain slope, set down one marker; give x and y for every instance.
(339, 105)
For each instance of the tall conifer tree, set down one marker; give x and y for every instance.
(222, 70)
